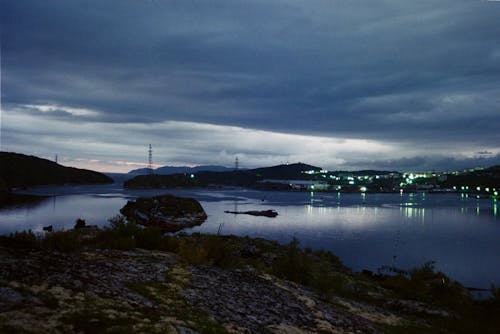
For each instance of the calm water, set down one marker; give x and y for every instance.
(366, 231)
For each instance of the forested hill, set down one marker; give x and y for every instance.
(168, 170)
(243, 178)
(19, 170)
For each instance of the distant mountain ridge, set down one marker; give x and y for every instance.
(167, 170)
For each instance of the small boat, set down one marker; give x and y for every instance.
(265, 213)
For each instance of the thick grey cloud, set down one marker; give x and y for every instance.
(420, 77)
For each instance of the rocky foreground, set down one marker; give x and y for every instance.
(151, 292)
(104, 281)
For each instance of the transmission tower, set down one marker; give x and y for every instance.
(236, 164)
(150, 159)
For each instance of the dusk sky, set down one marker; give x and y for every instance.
(407, 85)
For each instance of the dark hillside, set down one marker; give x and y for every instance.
(168, 170)
(162, 181)
(241, 178)
(285, 172)
(19, 170)
(488, 177)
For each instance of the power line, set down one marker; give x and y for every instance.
(150, 159)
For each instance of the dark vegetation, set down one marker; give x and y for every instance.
(241, 178)
(22, 171)
(168, 212)
(172, 205)
(163, 181)
(179, 170)
(18, 200)
(488, 177)
(319, 270)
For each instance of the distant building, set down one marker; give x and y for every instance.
(300, 184)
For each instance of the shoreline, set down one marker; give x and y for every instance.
(373, 268)
(13, 200)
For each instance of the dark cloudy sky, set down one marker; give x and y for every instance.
(340, 84)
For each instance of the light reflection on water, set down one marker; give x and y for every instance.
(365, 230)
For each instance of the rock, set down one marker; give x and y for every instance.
(265, 213)
(418, 307)
(168, 212)
(9, 297)
(103, 272)
(184, 330)
(251, 303)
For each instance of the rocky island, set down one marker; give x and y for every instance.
(167, 212)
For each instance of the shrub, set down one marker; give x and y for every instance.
(24, 239)
(294, 265)
(212, 250)
(120, 235)
(425, 272)
(193, 252)
(63, 241)
(495, 294)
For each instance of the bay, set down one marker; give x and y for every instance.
(367, 231)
